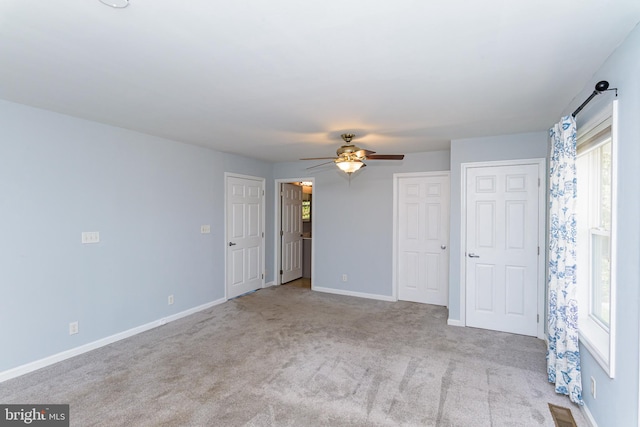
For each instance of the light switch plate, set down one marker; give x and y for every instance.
(90, 237)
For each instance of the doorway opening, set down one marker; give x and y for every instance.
(294, 229)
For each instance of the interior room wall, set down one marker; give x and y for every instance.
(147, 197)
(353, 220)
(616, 402)
(505, 147)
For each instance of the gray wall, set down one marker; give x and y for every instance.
(146, 196)
(505, 147)
(617, 399)
(354, 220)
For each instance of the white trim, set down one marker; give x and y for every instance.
(67, 354)
(269, 284)
(601, 344)
(239, 175)
(277, 280)
(595, 123)
(262, 180)
(355, 294)
(455, 322)
(541, 162)
(463, 245)
(587, 416)
(396, 183)
(542, 244)
(613, 294)
(394, 247)
(592, 346)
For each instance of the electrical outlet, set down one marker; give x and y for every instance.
(170, 299)
(73, 328)
(344, 278)
(205, 229)
(593, 387)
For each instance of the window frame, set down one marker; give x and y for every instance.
(594, 335)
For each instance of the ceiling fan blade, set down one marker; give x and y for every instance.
(318, 158)
(321, 164)
(385, 157)
(362, 153)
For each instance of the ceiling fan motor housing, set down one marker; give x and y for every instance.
(345, 150)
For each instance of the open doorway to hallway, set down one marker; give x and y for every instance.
(294, 232)
(303, 282)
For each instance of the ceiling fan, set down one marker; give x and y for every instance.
(350, 158)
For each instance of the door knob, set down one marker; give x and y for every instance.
(443, 246)
(231, 244)
(472, 255)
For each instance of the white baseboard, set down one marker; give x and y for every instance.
(455, 322)
(587, 415)
(67, 354)
(353, 294)
(268, 284)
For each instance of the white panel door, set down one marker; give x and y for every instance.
(423, 239)
(244, 235)
(502, 248)
(291, 232)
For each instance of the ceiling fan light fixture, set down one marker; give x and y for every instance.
(349, 166)
(116, 4)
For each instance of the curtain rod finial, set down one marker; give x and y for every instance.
(601, 86)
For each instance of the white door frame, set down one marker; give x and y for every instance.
(396, 181)
(542, 213)
(262, 180)
(277, 261)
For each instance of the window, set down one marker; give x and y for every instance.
(596, 237)
(306, 210)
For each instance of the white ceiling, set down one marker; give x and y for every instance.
(281, 80)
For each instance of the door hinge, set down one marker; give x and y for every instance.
(281, 272)
(281, 233)
(263, 234)
(263, 277)
(263, 192)
(538, 182)
(538, 250)
(537, 318)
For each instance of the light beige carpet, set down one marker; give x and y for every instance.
(288, 356)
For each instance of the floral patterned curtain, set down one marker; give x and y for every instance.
(563, 355)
